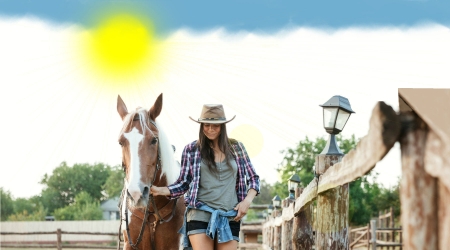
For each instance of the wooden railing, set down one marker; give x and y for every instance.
(318, 217)
(58, 243)
(386, 235)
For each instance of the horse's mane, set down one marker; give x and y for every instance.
(170, 166)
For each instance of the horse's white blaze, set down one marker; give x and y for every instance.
(134, 138)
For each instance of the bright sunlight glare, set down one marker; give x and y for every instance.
(122, 49)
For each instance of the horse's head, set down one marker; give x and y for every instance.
(139, 139)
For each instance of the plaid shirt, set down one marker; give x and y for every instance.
(189, 179)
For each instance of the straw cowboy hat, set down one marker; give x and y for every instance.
(212, 113)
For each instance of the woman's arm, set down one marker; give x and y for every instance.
(181, 185)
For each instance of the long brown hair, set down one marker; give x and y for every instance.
(207, 153)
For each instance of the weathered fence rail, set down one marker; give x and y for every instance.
(320, 212)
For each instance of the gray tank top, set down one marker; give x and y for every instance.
(217, 189)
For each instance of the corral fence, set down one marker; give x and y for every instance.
(59, 243)
(60, 234)
(380, 231)
(318, 217)
(88, 234)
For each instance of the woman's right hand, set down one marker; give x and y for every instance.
(155, 191)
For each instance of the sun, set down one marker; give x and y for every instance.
(122, 43)
(121, 48)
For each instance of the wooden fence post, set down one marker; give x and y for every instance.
(392, 225)
(276, 231)
(287, 224)
(303, 229)
(302, 233)
(368, 236)
(332, 210)
(380, 224)
(417, 188)
(437, 163)
(373, 227)
(58, 239)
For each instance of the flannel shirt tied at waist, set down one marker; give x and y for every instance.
(217, 224)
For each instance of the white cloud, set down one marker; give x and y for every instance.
(272, 82)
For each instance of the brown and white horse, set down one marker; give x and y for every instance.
(148, 222)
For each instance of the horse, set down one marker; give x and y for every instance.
(147, 222)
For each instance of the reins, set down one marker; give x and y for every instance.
(151, 201)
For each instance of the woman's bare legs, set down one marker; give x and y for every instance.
(201, 242)
(230, 245)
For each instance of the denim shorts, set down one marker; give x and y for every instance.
(197, 227)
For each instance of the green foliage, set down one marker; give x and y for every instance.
(251, 215)
(366, 198)
(114, 184)
(84, 208)
(31, 205)
(6, 204)
(300, 160)
(66, 182)
(265, 192)
(37, 214)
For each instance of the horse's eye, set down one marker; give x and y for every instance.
(120, 143)
(154, 141)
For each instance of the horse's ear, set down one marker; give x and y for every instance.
(121, 108)
(156, 108)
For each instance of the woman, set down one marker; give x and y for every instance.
(218, 200)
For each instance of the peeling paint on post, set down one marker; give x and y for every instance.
(332, 219)
(418, 193)
(303, 237)
(332, 211)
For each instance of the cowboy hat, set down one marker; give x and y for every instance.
(212, 113)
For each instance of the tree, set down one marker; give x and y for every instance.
(6, 204)
(114, 184)
(265, 194)
(29, 205)
(84, 208)
(37, 215)
(66, 182)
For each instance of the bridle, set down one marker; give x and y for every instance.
(151, 201)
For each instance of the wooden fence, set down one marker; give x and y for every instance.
(59, 243)
(318, 218)
(386, 235)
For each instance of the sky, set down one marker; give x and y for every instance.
(270, 63)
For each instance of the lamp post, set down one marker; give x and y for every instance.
(276, 201)
(270, 209)
(293, 183)
(336, 112)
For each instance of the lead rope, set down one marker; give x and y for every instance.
(120, 226)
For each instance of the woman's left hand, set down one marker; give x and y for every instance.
(242, 208)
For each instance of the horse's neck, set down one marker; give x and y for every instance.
(161, 181)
